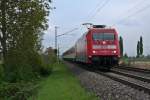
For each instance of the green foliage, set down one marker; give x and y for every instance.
(141, 46)
(17, 91)
(33, 65)
(138, 49)
(124, 61)
(121, 45)
(125, 55)
(22, 23)
(1, 73)
(18, 67)
(49, 59)
(46, 68)
(21, 29)
(25, 87)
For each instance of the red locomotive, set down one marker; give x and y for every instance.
(98, 46)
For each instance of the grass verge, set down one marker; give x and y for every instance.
(62, 85)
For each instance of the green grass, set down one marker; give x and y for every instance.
(62, 85)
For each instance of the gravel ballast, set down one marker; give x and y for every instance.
(105, 88)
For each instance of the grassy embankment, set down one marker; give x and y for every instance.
(62, 85)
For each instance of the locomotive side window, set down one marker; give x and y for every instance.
(103, 36)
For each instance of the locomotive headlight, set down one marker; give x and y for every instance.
(94, 51)
(90, 56)
(114, 51)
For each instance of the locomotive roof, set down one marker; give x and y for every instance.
(106, 28)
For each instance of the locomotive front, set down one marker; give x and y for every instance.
(104, 46)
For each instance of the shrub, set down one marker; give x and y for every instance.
(27, 65)
(17, 91)
(47, 65)
(17, 67)
(124, 61)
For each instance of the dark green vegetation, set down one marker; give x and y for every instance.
(140, 47)
(22, 23)
(27, 86)
(121, 45)
(62, 85)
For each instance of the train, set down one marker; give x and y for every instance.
(99, 47)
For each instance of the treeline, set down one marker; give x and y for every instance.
(22, 23)
(139, 49)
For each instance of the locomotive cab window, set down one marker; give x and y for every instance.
(103, 36)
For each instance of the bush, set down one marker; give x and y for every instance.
(48, 61)
(17, 91)
(17, 67)
(27, 65)
(124, 62)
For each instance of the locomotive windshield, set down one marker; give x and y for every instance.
(103, 36)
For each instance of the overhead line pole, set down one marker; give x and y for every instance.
(56, 46)
(56, 37)
(56, 50)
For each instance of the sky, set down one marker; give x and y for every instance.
(131, 18)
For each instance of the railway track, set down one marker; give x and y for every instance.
(132, 74)
(133, 69)
(130, 78)
(135, 78)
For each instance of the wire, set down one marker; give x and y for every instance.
(99, 9)
(93, 10)
(138, 11)
(137, 5)
(67, 32)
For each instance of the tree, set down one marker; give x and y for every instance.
(141, 46)
(3, 34)
(138, 49)
(121, 45)
(21, 26)
(16, 15)
(126, 55)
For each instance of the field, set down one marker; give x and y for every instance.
(141, 64)
(62, 85)
(138, 63)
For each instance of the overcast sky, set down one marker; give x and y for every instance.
(131, 18)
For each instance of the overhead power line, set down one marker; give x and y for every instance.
(136, 5)
(137, 12)
(99, 9)
(67, 32)
(94, 10)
